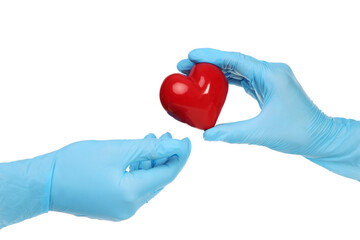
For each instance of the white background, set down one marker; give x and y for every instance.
(76, 70)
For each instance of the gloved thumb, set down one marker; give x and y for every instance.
(237, 132)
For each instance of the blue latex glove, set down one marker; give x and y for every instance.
(89, 178)
(289, 121)
(147, 164)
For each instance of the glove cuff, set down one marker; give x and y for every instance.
(25, 188)
(343, 149)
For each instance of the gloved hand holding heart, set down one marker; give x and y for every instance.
(196, 99)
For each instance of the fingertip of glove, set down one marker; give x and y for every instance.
(185, 66)
(167, 134)
(187, 146)
(195, 54)
(187, 142)
(150, 135)
(180, 66)
(209, 135)
(201, 54)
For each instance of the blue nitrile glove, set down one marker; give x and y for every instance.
(151, 163)
(89, 178)
(289, 121)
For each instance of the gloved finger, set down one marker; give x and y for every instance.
(150, 135)
(148, 181)
(134, 166)
(242, 64)
(248, 131)
(165, 136)
(152, 163)
(139, 165)
(156, 162)
(185, 66)
(160, 161)
(147, 149)
(145, 164)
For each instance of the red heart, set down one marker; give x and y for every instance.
(196, 99)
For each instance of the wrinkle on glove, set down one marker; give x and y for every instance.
(90, 178)
(25, 188)
(289, 121)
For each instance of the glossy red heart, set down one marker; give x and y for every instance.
(196, 99)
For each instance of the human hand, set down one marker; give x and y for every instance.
(289, 121)
(147, 164)
(90, 178)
